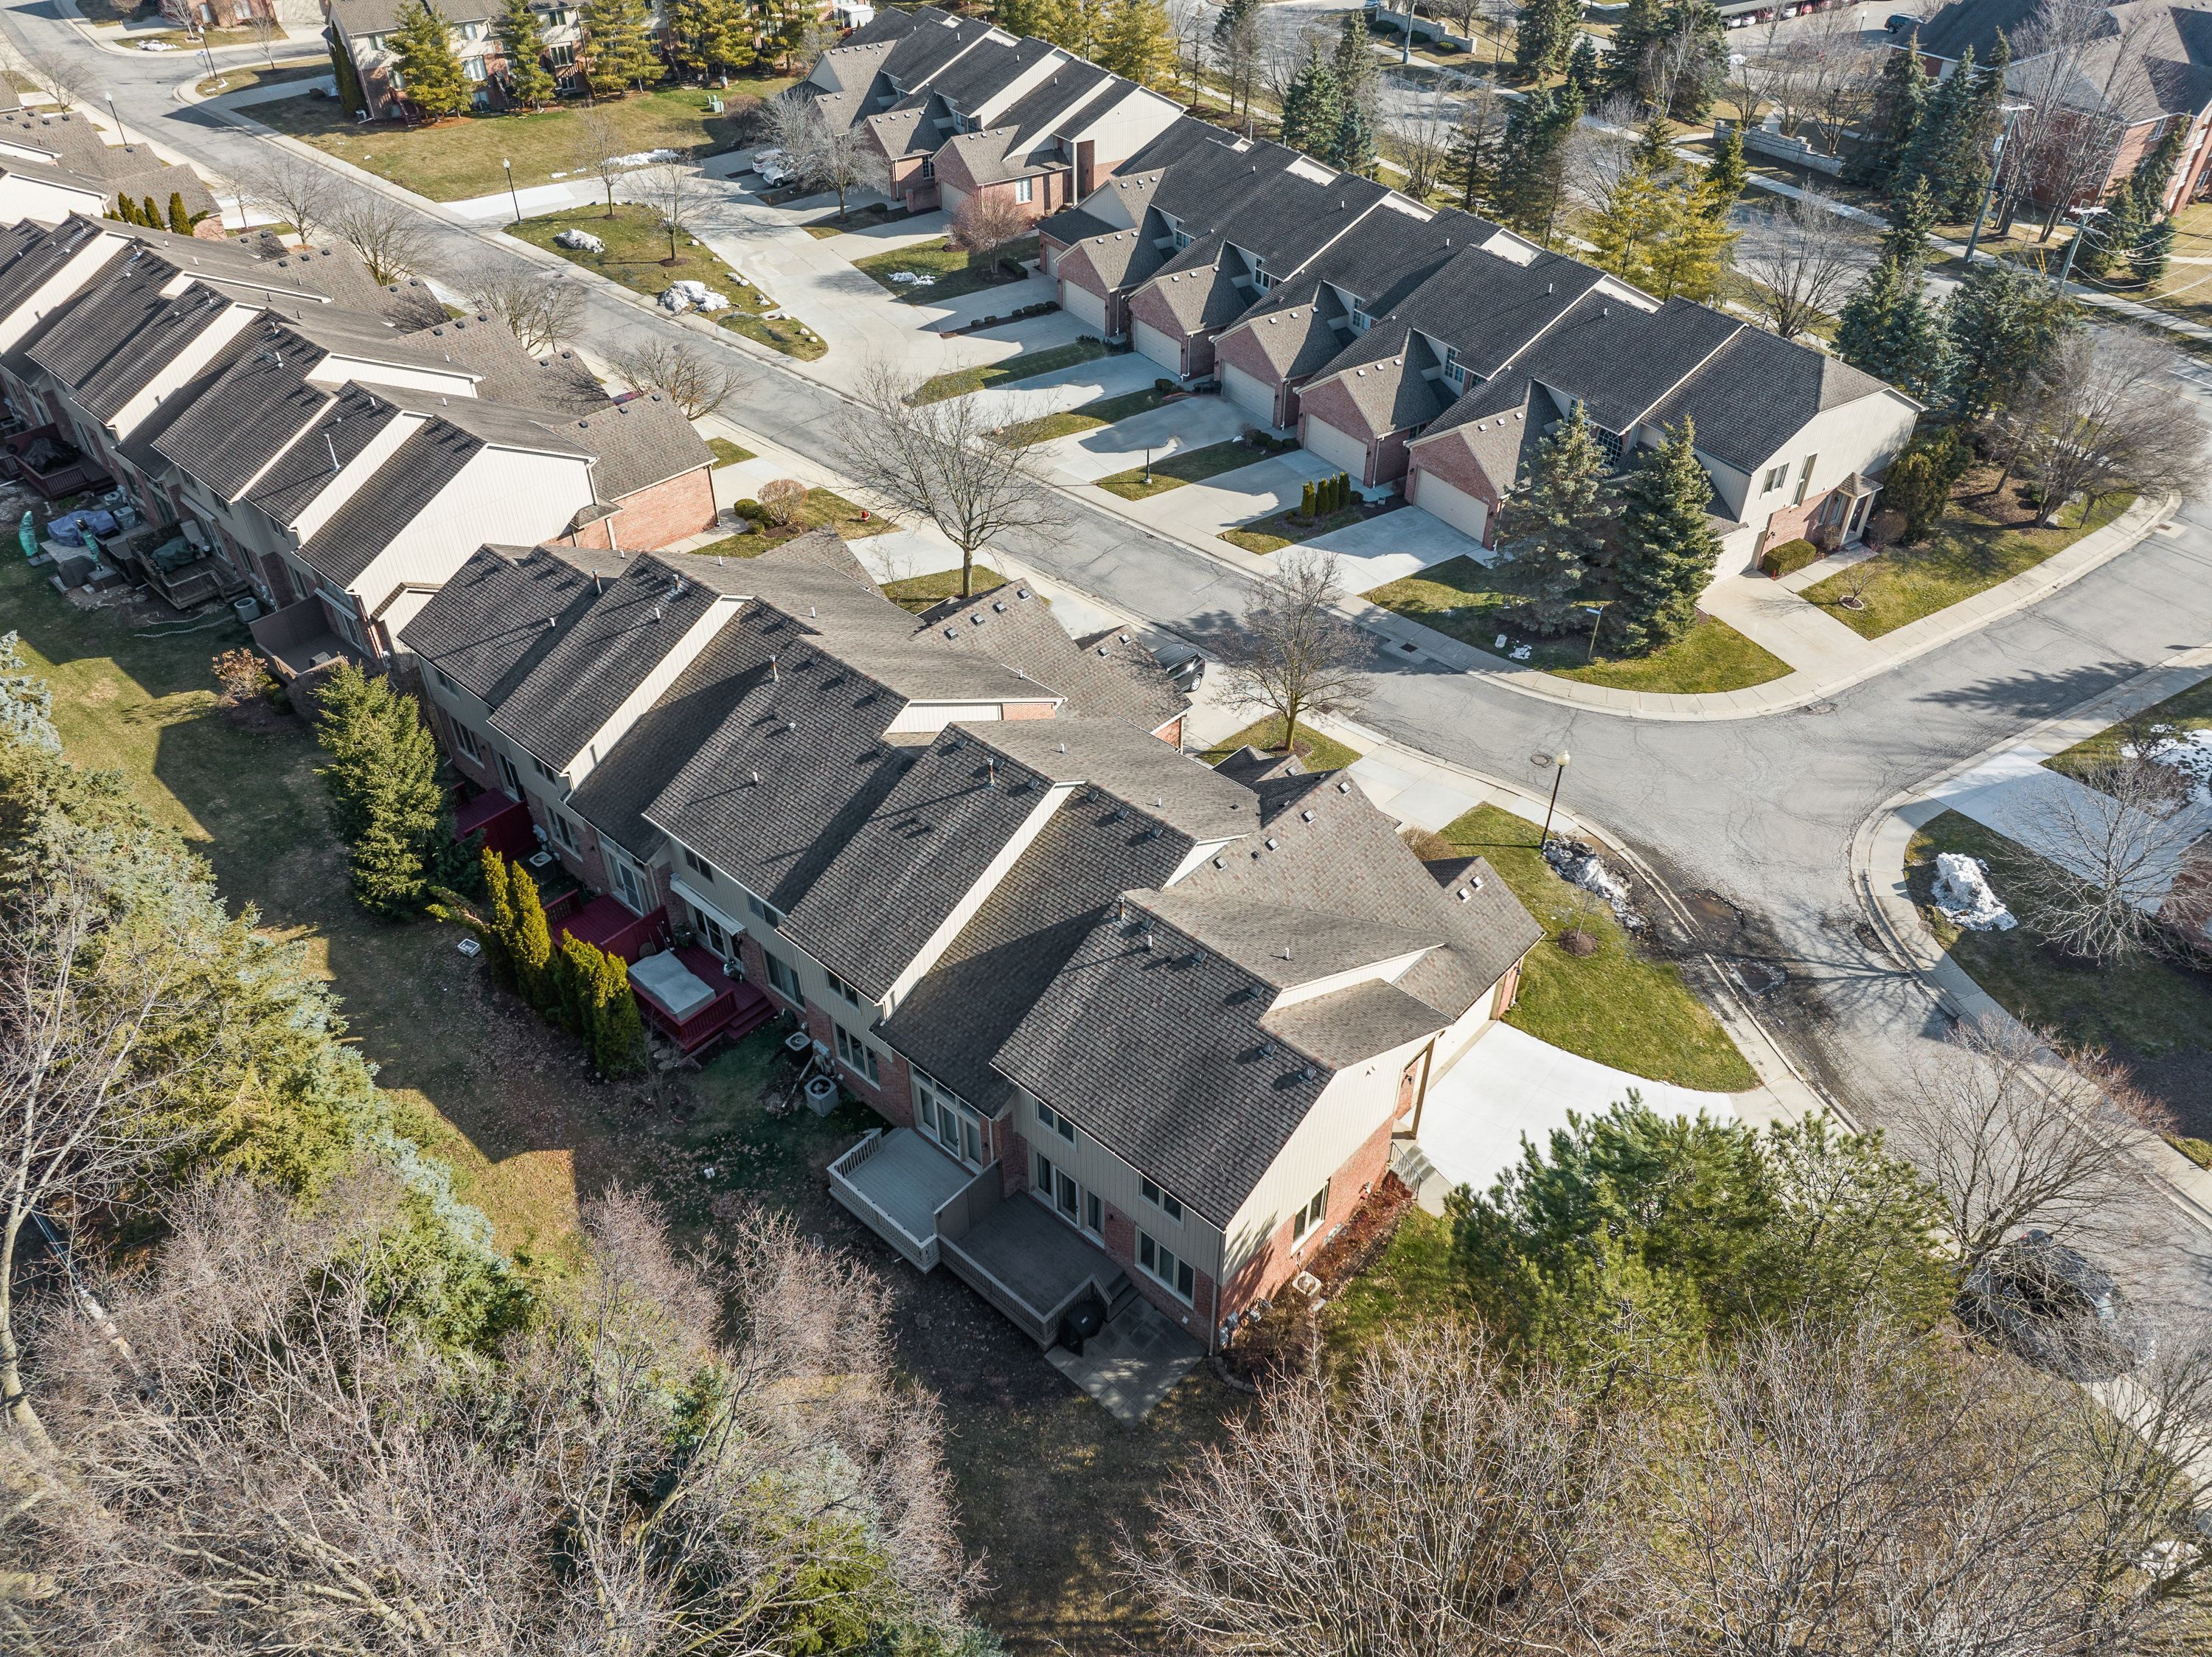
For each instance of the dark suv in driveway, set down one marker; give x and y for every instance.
(2049, 1304)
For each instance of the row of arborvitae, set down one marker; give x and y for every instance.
(1326, 495)
(577, 986)
(145, 212)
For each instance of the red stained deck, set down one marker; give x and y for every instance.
(505, 823)
(606, 923)
(735, 1008)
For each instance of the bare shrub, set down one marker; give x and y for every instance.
(781, 498)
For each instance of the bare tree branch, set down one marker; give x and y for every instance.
(390, 239)
(544, 315)
(696, 379)
(1294, 655)
(1803, 258)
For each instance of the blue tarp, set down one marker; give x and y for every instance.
(74, 528)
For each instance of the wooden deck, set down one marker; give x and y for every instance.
(1030, 1265)
(895, 1181)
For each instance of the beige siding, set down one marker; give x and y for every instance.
(1097, 1168)
(1464, 512)
(1864, 435)
(1083, 305)
(500, 495)
(47, 200)
(1249, 393)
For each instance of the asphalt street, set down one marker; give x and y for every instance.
(1750, 820)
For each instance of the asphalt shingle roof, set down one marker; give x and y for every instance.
(487, 627)
(380, 511)
(226, 437)
(1756, 389)
(644, 441)
(1152, 779)
(1111, 674)
(345, 428)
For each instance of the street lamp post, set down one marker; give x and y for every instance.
(1558, 776)
(121, 131)
(1148, 464)
(509, 166)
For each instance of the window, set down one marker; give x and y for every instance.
(1159, 1199)
(1044, 1172)
(628, 887)
(1361, 322)
(392, 79)
(508, 778)
(699, 865)
(1776, 477)
(1455, 370)
(563, 830)
(783, 979)
(1804, 479)
(1055, 1122)
(545, 770)
(928, 170)
(944, 1115)
(1311, 1215)
(1094, 1217)
(842, 987)
(1024, 189)
(465, 741)
(562, 57)
(473, 68)
(711, 930)
(766, 911)
(856, 1053)
(1161, 1263)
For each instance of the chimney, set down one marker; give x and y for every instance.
(1086, 166)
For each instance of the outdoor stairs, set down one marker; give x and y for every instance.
(1418, 1174)
(1119, 1294)
(750, 1019)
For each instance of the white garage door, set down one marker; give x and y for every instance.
(1084, 306)
(1152, 342)
(1249, 393)
(1468, 514)
(1340, 449)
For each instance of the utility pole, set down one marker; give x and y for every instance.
(1990, 190)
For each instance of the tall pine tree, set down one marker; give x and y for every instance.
(382, 779)
(1542, 37)
(1900, 105)
(1558, 522)
(1628, 60)
(530, 83)
(1981, 116)
(1890, 330)
(2000, 324)
(1312, 105)
(1693, 59)
(1938, 138)
(1358, 81)
(1353, 147)
(618, 45)
(430, 77)
(1531, 180)
(1912, 216)
(1728, 174)
(1475, 147)
(1586, 70)
(1139, 43)
(1668, 550)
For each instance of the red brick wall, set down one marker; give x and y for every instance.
(1389, 458)
(653, 516)
(1449, 459)
(1239, 348)
(1198, 1316)
(1332, 404)
(1282, 1259)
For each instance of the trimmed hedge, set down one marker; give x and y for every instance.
(1791, 556)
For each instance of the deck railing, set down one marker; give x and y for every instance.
(921, 1251)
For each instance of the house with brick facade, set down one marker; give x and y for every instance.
(360, 34)
(954, 107)
(1136, 1027)
(1428, 350)
(296, 427)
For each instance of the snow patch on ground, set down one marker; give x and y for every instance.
(2189, 752)
(687, 295)
(1963, 896)
(583, 241)
(1578, 865)
(646, 158)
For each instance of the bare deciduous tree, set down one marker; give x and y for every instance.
(2080, 71)
(1293, 655)
(987, 222)
(1239, 48)
(68, 80)
(670, 190)
(2102, 414)
(542, 314)
(1443, 1502)
(601, 147)
(295, 190)
(2013, 1133)
(1803, 258)
(697, 380)
(390, 239)
(2119, 865)
(823, 155)
(1422, 134)
(945, 460)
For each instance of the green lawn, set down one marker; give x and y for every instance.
(1318, 753)
(241, 80)
(1616, 1005)
(1474, 603)
(1969, 553)
(1092, 416)
(822, 508)
(1025, 365)
(1414, 1283)
(2141, 1008)
(2190, 711)
(953, 271)
(860, 218)
(728, 454)
(458, 159)
(637, 256)
(919, 593)
(1192, 466)
(1281, 529)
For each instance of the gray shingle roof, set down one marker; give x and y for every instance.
(644, 441)
(1756, 391)
(1974, 23)
(1112, 674)
(34, 253)
(345, 428)
(485, 628)
(1154, 780)
(1283, 946)
(506, 372)
(1044, 110)
(1357, 1022)
(380, 511)
(1490, 308)
(1621, 360)
(226, 437)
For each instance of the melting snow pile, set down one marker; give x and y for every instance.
(1963, 897)
(912, 279)
(583, 241)
(1578, 865)
(2189, 752)
(644, 158)
(687, 295)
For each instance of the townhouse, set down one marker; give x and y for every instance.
(1429, 350)
(1136, 1026)
(955, 108)
(359, 34)
(291, 424)
(55, 162)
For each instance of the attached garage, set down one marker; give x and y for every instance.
(1086, 306)
(1158, 347)
(1468, 514)
(1339, 448)
(1249, 393)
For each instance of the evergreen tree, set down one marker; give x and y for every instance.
(532, 947)
(2154, 174)
(1356, 79)
(124, 210)
(1981, 114)
(1140, 43)
(430, 77)
(1532, 167)
(1728, 174)
(1888, 328)
(1669, 551)
(530, 83)
(1475, 148)
(1895, 122)
(617, 1030)
(498, 936)
(348, 81)
(1585, 70)
(618, 45)
(1559, 521)
(1688, 256)
(1628, 64)
(179, 219)
(382, 780)
(2147, 260)
(1999, 327)
(149, 215)
(1306, 502)
(1542, 37)
(2109, 238)
(574, 972)
(1912, 216)
(1622, 235)
(1695, 58)
(1939, 136)
(1352, 148)
(1234, 15)
(1312, 104)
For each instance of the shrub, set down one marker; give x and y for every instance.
(241, 674)
(1306, 501)
(1791, 556)
(751, 511)
(780, 499)
(1164, 385)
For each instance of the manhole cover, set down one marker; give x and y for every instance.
(1540, 761)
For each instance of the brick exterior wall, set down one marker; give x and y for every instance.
(1332, 404)
(1240, 348)
(1076, 270)
(1282, 1258)
(1149, 307)
(655, 515)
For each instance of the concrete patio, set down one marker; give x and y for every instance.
(1131, 1364)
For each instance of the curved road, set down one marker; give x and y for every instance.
(1751, 820)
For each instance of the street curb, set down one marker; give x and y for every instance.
(1878, 875)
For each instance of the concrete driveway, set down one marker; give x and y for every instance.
(1510, 1085)
(1065, 388)
(2061, 820)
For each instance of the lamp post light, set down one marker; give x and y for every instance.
(121, 131)
(511, 195)
(1558, 776)
(1148, 465)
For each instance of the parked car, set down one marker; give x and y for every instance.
(774, 168)
(2052, 1306)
